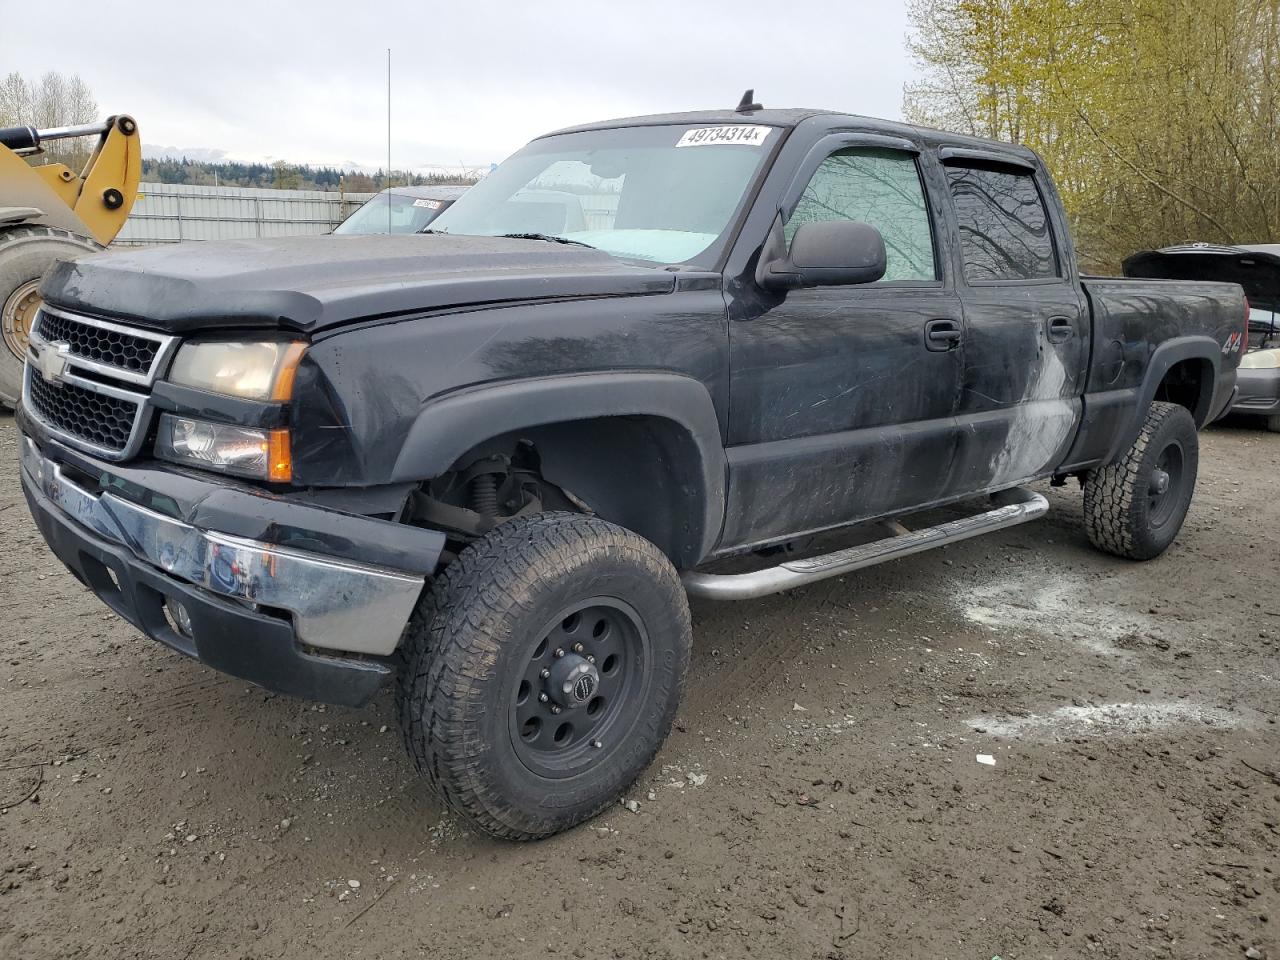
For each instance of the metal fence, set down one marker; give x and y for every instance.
(170, 212)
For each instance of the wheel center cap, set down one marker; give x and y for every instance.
(573, 681)
(1159, 481)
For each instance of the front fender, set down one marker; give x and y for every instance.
(447, 427)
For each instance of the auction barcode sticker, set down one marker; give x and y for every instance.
(751, 136)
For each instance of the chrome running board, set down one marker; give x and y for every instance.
(1014, 506)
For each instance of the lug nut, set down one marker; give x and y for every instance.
(545, 673)
(559, 651)
(590, 659)
(597, 744)
(543, 698)
(554, 708)
(577, 648)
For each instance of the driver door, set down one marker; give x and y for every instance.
(842, 404)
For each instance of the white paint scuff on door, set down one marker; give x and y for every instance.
(1041, 425)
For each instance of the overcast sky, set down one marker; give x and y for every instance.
(472, 81)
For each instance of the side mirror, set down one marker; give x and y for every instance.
(828, 253)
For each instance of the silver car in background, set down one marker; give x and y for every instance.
(400, 210)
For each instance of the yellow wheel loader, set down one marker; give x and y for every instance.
(50, 213)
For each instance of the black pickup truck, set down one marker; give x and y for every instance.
(641, 360)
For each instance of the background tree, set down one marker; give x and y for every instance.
(55, 100)
(284, 175)
(286, 178)
(1159, 118)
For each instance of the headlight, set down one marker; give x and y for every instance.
(253, 371)
(243, 451)
(1261, 360)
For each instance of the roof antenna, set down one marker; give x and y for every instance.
(748, 103)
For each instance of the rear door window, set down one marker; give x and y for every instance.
(1004, 226)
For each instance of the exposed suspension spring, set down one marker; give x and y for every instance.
(484, 495)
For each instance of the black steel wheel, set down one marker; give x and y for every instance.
(579, 693)
(1135, 506)
(542, 672)
(1164, 486)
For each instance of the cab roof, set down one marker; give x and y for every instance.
(790, 117)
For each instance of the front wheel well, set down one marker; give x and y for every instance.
(641, 472)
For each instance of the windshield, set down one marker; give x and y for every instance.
(1264, 328)
(391, 213)
(663, 194)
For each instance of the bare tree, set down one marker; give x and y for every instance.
(56, 100)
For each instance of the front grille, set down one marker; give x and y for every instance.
(89, 381)
(95, 418)
(102, 344)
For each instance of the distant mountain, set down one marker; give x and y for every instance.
(151, 151)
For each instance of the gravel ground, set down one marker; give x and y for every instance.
(822, 795)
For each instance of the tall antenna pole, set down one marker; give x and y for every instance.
(388, 138)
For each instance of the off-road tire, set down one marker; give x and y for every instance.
(26, 253)
(1118, 497)
(472, 635)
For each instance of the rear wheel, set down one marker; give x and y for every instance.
(1135, 506)
(25, 254)
(542, 672)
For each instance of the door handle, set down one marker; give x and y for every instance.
(1060, 329)
(942, 335)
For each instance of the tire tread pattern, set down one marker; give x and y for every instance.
(451, 638)
(1112, 516)
(12, 239)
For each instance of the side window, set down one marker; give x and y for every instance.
(1004, 229)
(879, 187)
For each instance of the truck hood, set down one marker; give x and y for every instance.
(311, 283)
(1256, 268)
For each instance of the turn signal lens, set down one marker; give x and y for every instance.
(288, 371)
(279, 457)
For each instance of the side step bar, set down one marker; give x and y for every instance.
(1013, 507)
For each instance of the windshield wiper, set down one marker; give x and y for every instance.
(548, 237)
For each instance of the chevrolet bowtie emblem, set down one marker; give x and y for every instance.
(52, 362)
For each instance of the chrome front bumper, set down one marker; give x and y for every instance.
(335, 604)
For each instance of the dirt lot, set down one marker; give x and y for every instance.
(820, 798)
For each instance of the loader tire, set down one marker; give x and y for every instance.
(542, 672)
(1134, 507)
(26, 252)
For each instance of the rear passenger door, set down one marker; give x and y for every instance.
(1026, 338)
